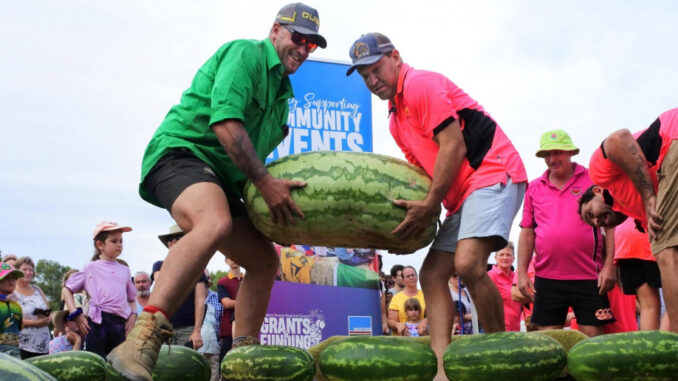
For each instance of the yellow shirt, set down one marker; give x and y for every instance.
(398, 304)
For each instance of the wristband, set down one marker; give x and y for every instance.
(136, 315)
(74, 314)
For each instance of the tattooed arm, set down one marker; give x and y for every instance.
(623, 150)
(276, 192)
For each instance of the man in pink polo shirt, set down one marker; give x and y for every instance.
(572, 267)
(476, 173)
(502, 276)
(637, 176)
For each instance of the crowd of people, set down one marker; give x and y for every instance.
(100, 303)
(233, 116)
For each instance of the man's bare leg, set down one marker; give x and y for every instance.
(591, 330)
(667, 260)
(254, 252)
(549, 327)
(435, 273)
(665, 324)
(470, 260)
(202, 212)
(650, 307)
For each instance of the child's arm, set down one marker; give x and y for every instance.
(80, 320)
(132, 318)
(200, 297)
(74, 339)
(394, 324)
(384, 318)
(423, 327)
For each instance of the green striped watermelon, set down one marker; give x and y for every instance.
(639, 355)
(112, 374)
(72, 366)
(566, 337)
(179, 363)
(347, 200)
(14, 369)
(378, 358)
(318, 349)
(267, 363)
(505, 356)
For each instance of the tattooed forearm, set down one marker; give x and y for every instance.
(624, 151)
(638, 172)
(239, 148)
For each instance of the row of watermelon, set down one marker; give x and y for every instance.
(507, 356)
(175, 363)
(642, 355)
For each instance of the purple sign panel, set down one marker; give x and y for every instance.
(302, 315)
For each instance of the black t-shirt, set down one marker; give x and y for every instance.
(185, 315)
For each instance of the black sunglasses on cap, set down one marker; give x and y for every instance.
(299, 40)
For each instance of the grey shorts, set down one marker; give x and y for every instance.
(487, 212)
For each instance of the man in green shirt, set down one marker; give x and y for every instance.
(229, 120)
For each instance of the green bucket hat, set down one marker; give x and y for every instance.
(556, 140)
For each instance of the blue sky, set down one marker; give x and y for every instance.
(84, 84)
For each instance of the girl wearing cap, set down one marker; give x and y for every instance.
(108, 283)
(11, 315)
(34, 337)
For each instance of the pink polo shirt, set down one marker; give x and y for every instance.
(564, 244)
(655, 142)
(504, 283)
(425, 102)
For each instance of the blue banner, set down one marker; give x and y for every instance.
(329, 111)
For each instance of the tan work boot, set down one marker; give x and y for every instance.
(135, 358)
(242, 341)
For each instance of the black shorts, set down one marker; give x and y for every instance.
(553, 298)
(636, 272)
(178, 170)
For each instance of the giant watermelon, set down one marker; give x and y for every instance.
(14, 369)
(179, 363)
(639, 355)
(347, 200)
(505, 356)
(377, 358)
(267, 363)
(72, 366)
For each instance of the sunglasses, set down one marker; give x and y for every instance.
(300, 40)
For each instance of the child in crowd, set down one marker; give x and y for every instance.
(459, 310)
(68, 336)
(413, 310)
(210, 329)
(108, 283)
(11, 315)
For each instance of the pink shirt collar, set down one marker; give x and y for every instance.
(393, 103)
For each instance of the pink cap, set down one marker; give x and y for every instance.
(7, 269)
(105, 226)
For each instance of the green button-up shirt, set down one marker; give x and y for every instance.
(243, 80)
